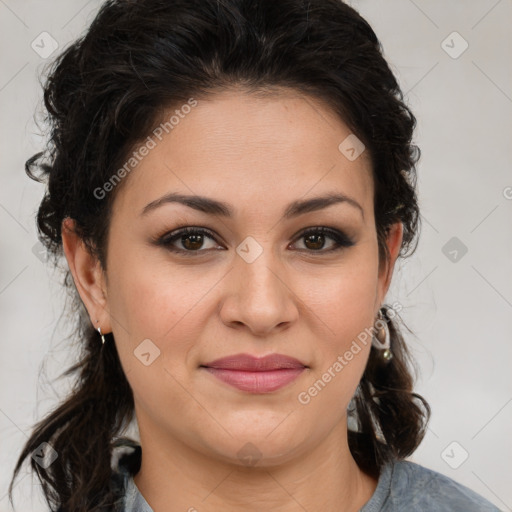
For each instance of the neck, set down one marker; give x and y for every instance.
(175, 477)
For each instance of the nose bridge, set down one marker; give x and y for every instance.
(258, 265)
(260, 298)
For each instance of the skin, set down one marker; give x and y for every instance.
(258, 155)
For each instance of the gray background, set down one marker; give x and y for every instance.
(458, 310)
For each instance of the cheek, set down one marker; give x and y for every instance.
(163, 303)
(344, 308)
(152, 296)
(344, 298)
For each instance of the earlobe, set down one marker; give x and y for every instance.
(87, 274)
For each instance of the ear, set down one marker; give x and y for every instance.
(394, 243)
(88, 275)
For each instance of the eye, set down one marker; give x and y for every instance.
(192, 240)
(315, 239)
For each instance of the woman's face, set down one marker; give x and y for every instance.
(253, 284)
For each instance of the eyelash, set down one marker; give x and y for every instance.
(342, 241)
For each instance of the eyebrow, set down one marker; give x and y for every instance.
(218, 208)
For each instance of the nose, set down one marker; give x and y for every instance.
(259, 296)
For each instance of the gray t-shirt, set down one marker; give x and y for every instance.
(403, 486)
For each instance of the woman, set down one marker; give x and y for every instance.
(231, 184)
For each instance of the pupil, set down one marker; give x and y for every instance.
(319, 241)
(196, 243)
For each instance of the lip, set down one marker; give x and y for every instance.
(256, 374)
(248, 363)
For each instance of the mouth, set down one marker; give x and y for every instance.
(256, 382)
(256, 375)
(249, 363)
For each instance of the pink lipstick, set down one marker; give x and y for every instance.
(256, 375)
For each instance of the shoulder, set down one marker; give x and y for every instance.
(126, 463)
(416, 488)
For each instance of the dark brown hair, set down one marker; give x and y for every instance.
(107, 91)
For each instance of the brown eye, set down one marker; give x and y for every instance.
(315, 239)
(191, 239)
(192, 242)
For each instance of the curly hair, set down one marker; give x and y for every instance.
(106, 92)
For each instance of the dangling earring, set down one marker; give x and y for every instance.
(383, 346)
(102, 336)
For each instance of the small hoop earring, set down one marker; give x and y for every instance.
(383, 346)
(102, 336)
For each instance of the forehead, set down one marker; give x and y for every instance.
(259, 152)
